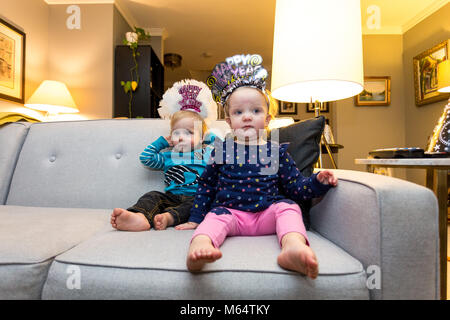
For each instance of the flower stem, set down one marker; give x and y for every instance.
(129, 103)
(135, 69)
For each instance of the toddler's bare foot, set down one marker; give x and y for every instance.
(297, 256)
(125, 220)
(201, 252)
(163, 220)
(186, 226)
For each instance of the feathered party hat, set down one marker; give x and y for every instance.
(189, 95)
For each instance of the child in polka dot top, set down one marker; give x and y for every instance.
(248, 189)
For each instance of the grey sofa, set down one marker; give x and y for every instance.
(375, 237)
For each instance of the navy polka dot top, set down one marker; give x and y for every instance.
(250, 178)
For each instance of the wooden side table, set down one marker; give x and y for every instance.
(436, 180)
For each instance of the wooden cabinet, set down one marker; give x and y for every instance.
(147, 95)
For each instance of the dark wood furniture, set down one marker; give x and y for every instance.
(147, 95)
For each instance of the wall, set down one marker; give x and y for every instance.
(120, 27)
(420, 120)
(361, 129)
(32, 18)
(83, 58)
(157, 44)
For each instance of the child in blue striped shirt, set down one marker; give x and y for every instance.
(182, 166)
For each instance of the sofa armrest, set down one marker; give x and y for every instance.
(387, 223)
(12, 136)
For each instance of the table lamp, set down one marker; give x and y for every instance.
(53, 97)
(317, 52)
(440, 140)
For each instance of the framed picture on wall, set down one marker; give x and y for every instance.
(324, 108)
(287, 108)
(12, 62)
(376, 92)
(425, 73)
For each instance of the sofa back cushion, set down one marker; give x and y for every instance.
(12, 136)
(304, 142)
(88, 164)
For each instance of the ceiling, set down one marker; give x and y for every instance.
(205, 32)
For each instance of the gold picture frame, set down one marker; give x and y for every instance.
(324, 108)
(377, 92)
(425, 74)
(287, 108)
(12, 62)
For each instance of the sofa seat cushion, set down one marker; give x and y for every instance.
(152, 265)
(30, 237)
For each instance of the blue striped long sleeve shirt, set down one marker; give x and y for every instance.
(181, 170)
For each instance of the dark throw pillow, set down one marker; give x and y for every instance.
(304, 143)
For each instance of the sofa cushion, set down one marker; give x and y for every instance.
(88, 164)
(151, 265)
(23, 281)
(31, 237)
(12, 136)
(304, 138)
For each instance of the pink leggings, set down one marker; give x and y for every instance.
(279, 218)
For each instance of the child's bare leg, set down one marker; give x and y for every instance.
(201, 251)
(297, 256)
(125, 220)
(163, 220)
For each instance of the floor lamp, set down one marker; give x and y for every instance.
(323, 140)
(317, 52)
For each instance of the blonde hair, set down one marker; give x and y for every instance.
(177, 116)
(271, 103)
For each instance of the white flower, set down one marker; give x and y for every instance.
(132, 37)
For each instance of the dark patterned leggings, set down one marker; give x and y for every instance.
(155, 202)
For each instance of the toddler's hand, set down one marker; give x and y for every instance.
(186, 226)
(169, 140)
(327, 177)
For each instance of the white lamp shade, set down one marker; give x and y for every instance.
(53, 97)
(317, 50)
(444, 76)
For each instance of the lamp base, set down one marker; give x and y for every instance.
(323, 140)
